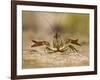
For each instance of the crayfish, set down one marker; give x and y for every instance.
(58, 45)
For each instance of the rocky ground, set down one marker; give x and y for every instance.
(34, 59)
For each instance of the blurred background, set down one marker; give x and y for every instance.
(73, 23)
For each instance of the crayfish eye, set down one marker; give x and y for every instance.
(68, 40)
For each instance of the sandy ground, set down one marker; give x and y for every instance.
(40, 59)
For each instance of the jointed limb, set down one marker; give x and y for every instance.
(73, 48)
